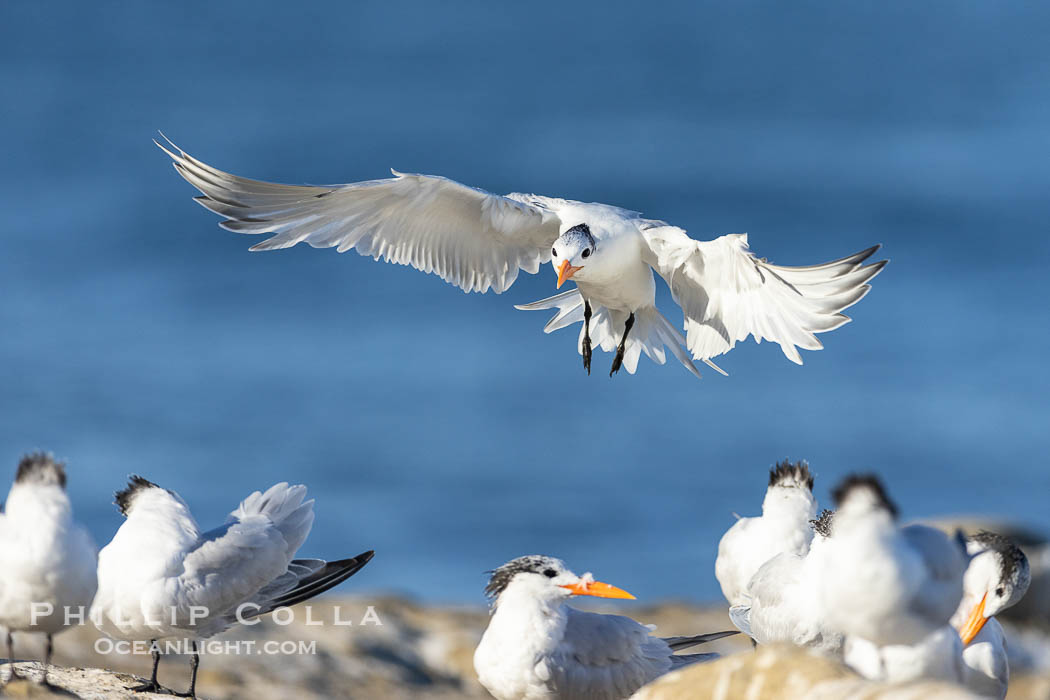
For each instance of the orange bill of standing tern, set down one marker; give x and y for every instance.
(597, 589)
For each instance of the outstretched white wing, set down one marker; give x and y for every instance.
(468, 237)
(726, 293)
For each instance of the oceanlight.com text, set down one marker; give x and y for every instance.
(214, 647)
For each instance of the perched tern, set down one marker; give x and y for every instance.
(479, 241)
(537, 647)
(162, 578)
(784, 526)
(886, 583)
(782, 599)
(997, 578)
(891, 590)
(47, 560)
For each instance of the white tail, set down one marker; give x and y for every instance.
(651, 332)
(286, 508)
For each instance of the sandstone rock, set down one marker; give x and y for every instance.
(784, 673)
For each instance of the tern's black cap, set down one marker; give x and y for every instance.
(41, 468)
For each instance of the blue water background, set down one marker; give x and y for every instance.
(445, 430)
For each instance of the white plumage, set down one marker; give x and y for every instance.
(47, 560)
(891, 590)
(784, 526)
(537, 647)
(480, 241)
(163, 577)
(997, 578)
(782, 603)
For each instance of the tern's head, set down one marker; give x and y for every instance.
(571, 252)
(862, 494)
(41, 469)
(790, 491)
(791, 476)
(996, 578)
(545, 578)
(138, 492)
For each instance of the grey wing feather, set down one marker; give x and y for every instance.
(741, 617)
(681, 660)
(607, 656)
(473, 239)
(946, 563)
(679, 643)
(305, 579)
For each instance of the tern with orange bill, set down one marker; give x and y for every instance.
(479, 241)
(997, 578)
(536, 646)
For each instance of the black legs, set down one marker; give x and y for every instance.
(194, 663)
(622, 347)
(586, 344)
(587, 336)
(152, 686)
(49, 649)
(11, 657)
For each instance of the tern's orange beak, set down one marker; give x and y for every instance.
(974, 623)
(565, 272)
(597, 589)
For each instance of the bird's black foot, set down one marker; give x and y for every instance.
(586, 345)
(151, 687)
(622, 347)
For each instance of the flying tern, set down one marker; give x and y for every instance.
(997, 578)
(784, 526)
(480, 241)
(47, 560)
(537, 647)
(162, 577)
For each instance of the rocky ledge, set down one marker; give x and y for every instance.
(391, 648)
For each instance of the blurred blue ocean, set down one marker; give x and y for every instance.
(445, 430)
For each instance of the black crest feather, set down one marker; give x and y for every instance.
(791, 475)
(868, 481)
(822, 525)
(135, 484)
(501, 577)
(41, 468)
(580, 231)
(1010, 555)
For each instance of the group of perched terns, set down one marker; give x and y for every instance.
(895, 603)
(161, 577)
